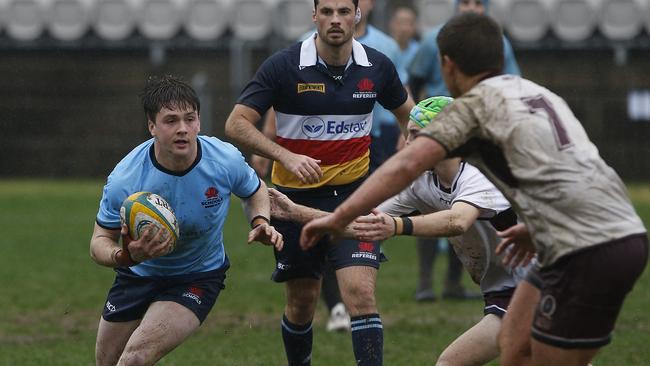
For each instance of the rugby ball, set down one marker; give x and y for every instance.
(143, 208)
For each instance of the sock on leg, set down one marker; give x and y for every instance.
(297, 342)
(368, 339)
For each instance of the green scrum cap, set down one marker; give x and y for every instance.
(425, 111)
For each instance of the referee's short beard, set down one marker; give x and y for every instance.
(335, 42)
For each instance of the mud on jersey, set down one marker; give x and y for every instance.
(527, 141)
(475, 248)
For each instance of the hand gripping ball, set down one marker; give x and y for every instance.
(144, 208)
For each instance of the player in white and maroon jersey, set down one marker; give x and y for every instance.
(592, 246)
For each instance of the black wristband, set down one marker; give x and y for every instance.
(407, 226)
(259, 217)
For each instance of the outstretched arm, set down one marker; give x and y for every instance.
(283, 208)
(257, 210)
(446, 223)
(391, 178)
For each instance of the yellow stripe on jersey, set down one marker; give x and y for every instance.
(337, 174)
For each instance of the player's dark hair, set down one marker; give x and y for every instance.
(355, 2)
(474, 42)
(169, 92)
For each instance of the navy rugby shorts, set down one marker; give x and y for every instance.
(293, 262)
(130, 296)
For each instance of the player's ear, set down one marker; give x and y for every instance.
(151, 125)
(313, 15)
(445, 61)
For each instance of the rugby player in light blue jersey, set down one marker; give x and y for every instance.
(162, 293)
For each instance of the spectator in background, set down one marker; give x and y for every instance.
(386, 134)
(385, 138)
(403, 29)
(425, 79)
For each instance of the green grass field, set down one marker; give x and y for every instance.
(51, 294)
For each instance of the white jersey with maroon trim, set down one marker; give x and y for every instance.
(527, 141)
(475, 248)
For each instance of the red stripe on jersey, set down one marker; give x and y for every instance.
(329, 152)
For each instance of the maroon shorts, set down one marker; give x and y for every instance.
(497, 302)
(582, 293)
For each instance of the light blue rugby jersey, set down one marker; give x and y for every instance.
(199, 196)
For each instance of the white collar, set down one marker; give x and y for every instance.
(309, 56)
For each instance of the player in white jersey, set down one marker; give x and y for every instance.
(592, 246)
(457, 201)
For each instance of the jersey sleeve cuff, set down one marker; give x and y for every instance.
(259, 184)
(257, 108)
(108, 227)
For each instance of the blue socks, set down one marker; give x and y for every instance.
(368, 339)
(297, 342)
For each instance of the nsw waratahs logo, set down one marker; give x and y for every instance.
(313, 127)
(212, 198)
(366, 89)
(365, 250)
(365, 246)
